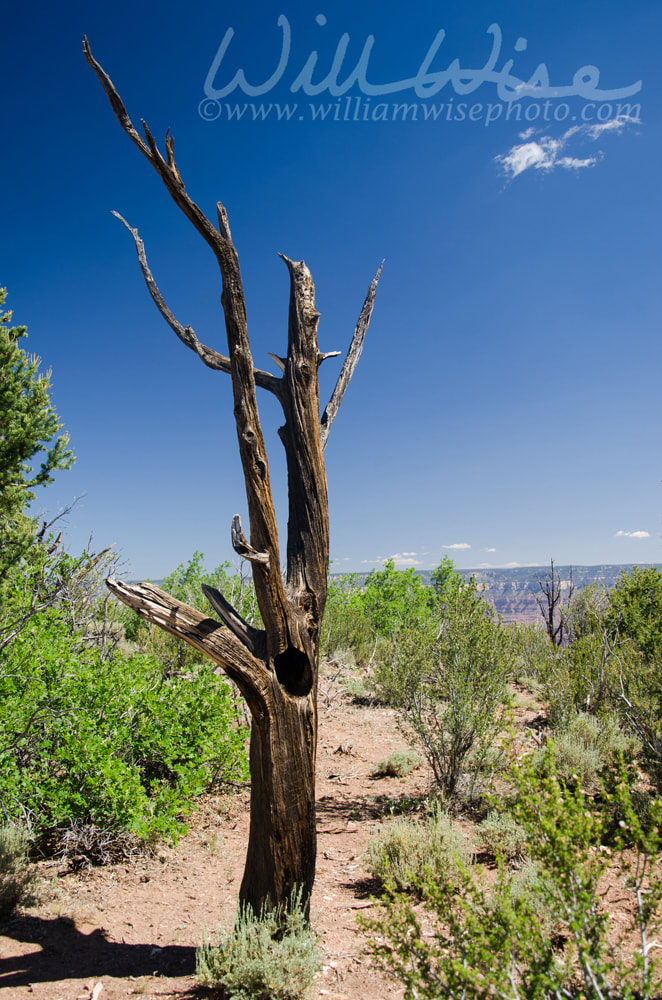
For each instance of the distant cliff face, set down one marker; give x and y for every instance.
(513, 591)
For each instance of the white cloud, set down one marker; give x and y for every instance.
(633, 534)
(457, 545)
(545, 153)
(614, 125)
(489, 550)
(406, 559)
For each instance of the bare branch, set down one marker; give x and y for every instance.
(186, 334)
(116, 102)
(352, 359)
(210, 637)
(166, 169)
(242, 547)
(269, 589)
(252, 638)
(209, 357)
(280, 362)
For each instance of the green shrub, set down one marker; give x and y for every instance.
(271, 957)
(344, 626)
(447, 679)
(115, 744)
(584, 746)
(479, 923)
(398, 764)
(635, 611)
(400, 852)
(18, 876)
(528, 652)
(500, 835)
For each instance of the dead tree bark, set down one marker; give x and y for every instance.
(550, 604)
(275, 668)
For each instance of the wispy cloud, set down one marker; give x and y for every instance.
(457, 545)
(546, 153)
(406, 559)
(488, 550)
(633, 534)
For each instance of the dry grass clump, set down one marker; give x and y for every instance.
(397, 765)
(18, 877)
(401, 851)
(273, 956)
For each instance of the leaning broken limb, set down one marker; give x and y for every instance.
(276, 667)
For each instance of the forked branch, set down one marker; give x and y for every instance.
(209, 357)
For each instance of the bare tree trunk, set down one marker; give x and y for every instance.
(275, 668)
(550, 604)
(282, 839)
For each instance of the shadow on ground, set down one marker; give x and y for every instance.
(332, 808)
(63, 952)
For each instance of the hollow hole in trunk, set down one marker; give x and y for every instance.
(293, 671)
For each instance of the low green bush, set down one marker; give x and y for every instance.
(115, 744)
(273, 956)
(549, 940)
(447, 679)
(398, 764)
(403, 850)
(18, 878)
(584, 746)
(502, 837)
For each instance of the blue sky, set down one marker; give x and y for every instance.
(507, 405)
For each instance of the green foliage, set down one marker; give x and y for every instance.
(394, 598)
(369, 618)
(273, 956)
(447, 679)
(584, 746)
(405, 850)
(344, 626)
(501, 836)
(445, 580)
(564, 833)
(398, 764)
(29, 427)
(17, 875)
(635, 611)
(528, 651)
(115, 742)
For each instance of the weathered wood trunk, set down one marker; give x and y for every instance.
(282, 842)
(275, 668)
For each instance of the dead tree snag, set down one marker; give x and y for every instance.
(275, 668)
